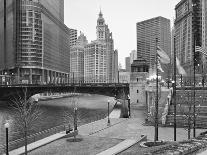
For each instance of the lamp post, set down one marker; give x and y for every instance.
(6, 125)
(108, 123)
(75, 119)
(129, 106)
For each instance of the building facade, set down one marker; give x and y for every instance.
(36, 46)
(104, 35)
(139, 74)
(190, 25)
(133, 56)
(73, 37)
(95, 62)
(77, 59)
(147, 32)
(127, 64)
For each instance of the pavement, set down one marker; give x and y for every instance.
(130, 130)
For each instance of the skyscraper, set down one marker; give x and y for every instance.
(104, 35)
(147, 32)
(37, 41)
(100, 58)
(77, 59)
(133, 56)
(204, 23)
(127, 64)
(73, 37)
(95, 62)
(190, 25)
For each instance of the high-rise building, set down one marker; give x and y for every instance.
(77, 59)
(34, 44)
(190, 25)
(103, 34)
(115, 67)
(127, 64)
(95, 62)
(147, 33)
(133, 56)
(73, 37)
(204, 23)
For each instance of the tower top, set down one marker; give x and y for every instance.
(100, 13)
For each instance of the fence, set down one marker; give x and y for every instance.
(32, 138)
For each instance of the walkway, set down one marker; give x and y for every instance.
(128, 130)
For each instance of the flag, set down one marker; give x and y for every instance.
(162, 56)
(180, 68)
(200, 49)
(159, 66)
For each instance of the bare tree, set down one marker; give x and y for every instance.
(26, 112)
(186, 110)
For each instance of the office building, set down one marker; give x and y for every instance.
(204, 23)
(190, 25)
(104, 35)
(115, 67)
(133, 56)
(127, 64)
(95, 62)
(77, 59)
(36, 47)
(147, 32)
(73, 37)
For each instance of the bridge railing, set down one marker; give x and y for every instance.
(69, 84)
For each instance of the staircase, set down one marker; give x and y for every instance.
(184, 108)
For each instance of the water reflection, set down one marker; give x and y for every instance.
(90, 108)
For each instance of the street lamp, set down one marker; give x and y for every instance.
(75, 119)
(108, 123)
(6, 125)
(129, 106)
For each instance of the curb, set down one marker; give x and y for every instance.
(42, 142)
(122, 146)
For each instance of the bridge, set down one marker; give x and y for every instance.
(118, 90)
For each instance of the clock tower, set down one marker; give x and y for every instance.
(100, 28)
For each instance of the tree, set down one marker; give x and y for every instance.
(186, 109)
(26, 114)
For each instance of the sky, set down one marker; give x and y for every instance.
(121, 17)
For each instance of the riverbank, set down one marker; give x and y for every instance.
(52, 96)
(94, 137)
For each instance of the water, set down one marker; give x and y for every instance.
(90, 108)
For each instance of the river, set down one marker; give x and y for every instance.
(53, 113)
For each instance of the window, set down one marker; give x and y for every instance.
(137, 101)
(137, 79)
(137, 91)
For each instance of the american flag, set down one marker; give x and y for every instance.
(201, 49)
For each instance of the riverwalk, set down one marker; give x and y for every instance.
(122, 133)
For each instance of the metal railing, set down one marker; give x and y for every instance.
(32, 138)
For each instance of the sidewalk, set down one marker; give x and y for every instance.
(128, 131)
(116, 113)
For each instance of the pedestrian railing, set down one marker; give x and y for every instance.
(32, 138)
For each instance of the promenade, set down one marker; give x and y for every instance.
(101, 138)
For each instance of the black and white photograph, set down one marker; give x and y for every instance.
(103, 77)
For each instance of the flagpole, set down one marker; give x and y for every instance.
(194, 81)
(174, 92)
(156, 103)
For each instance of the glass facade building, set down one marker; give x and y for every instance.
(36, 49)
